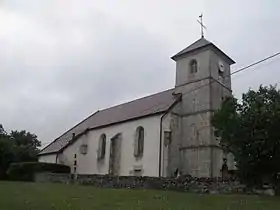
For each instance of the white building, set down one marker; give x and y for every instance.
(159, 134)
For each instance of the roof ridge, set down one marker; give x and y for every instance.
(98, 111)
(200, 43)
(128, 102)
(69, 130)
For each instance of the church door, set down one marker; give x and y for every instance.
(115, 155)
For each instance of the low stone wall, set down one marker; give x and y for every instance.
(53, 178)
(183, 183)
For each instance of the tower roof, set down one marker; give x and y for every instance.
(199, 44)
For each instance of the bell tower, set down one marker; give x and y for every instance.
(203, 79)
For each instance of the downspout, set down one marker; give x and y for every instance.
(211, 128)
(160, 130)
(56, 158)
(160, 143)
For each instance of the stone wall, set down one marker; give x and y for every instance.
(53, 178)
(183, 183)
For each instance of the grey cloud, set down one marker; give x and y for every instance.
(52, 85)
(62, 60)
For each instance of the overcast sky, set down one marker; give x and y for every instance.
(60, 60)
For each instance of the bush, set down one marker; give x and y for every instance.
(25, 171)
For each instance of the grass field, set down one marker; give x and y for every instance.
(27, 196)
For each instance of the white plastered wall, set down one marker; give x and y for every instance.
(88, 164)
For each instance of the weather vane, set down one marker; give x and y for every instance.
(201, 25)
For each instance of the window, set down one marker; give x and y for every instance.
(139, 142)
(193, 66)
(221, 76)
(101, 147)
(221, 69)
(83, 149)
(167, 138)
(137, 170)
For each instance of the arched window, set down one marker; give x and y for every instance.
(139, 142)
(193, 66)
(101, 147)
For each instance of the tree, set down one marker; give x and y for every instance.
(2, 131)
(17, 146)
(249, 129)
(26, 145)
(6, 154)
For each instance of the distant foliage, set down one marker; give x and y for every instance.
(17, 146)
(25, 171)
(250, 130)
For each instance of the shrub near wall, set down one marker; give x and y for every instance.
(25, 171)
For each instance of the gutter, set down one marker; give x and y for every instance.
(90, 129)
(160, 143)
(63, 135)
(160, 130)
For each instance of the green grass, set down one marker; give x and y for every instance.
(26, 196)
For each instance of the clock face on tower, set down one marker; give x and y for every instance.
(221, 66)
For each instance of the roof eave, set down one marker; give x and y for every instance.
(67, 131)
(180, 55)
(72, 141)
(48, 153)
(90, 129)
(231, 61)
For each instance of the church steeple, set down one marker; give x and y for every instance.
(194, 46)
(202, 55)
(200, 44)
(203, 79)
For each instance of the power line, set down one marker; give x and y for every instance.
(238, 71)
(260, 66)
(235, 72)
(253, 64)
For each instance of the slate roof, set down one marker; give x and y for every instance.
(201, 43)
(150, 105)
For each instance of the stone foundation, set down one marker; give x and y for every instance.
(182, 184)
(53, 178)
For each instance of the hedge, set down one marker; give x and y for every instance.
(25, 171)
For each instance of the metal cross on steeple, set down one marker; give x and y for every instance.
(201, 25)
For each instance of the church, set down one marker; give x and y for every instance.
(160, 134)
